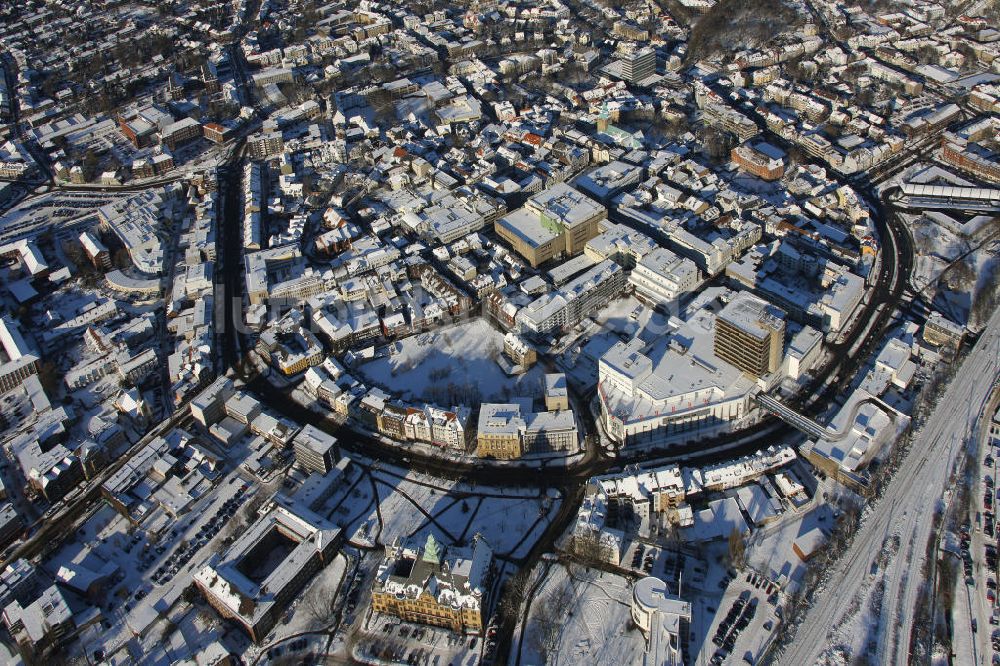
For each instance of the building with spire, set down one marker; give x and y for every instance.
(430, 584)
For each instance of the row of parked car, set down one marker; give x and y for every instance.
(646, 556)
(990, 554)
(984, 520)
(297, 645)
(988, 491)
(401, 654)
(740, 614)
(490, 644)
(165, 573)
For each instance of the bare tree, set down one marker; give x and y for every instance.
(549, 618)
(588, 548)
(737, 549)
(319, 605)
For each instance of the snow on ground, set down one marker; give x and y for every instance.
(703, 586)
(628, 317)
(511, 526)
(10, 655)
(774, 191)
(423, 367)
(586, 613)
(195, 630)
(404, 506)
(758, 634)
(926, 270)
(410, 505)
(854, 635)
(770, 548)
(312, 608)
(963, 639)
(387, 639)
(936, 248)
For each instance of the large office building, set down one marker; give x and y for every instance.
(750, 334)
(459, 214)
(436, 586)
(11, 524)
(315, 450)
(573, 302)
(49, 467)
(607, 181)
(262, 145)
(672, 388)
(550, 431)
(858, 433)
(96, 251)
(262, 571)
(43, 626)
(18, 361)
(135, 220)
(939, 332)
(661, 277)
(181, 132)
(762, 160)
(623, 245)
(209, 406)
(637, 63)
(509, 430)
(500, 430)
(557, 221)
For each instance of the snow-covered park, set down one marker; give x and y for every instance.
(581, 616)
(378, 507)
(453, 365)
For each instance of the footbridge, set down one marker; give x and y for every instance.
(792, 417)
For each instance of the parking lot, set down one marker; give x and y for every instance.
(744, 622)
(651, 560)
(190, 546)
(388, 639)
(643, 559)
(178, 546)
(978, 544)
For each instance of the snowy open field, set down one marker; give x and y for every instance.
(581, 616)
(453, 365)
